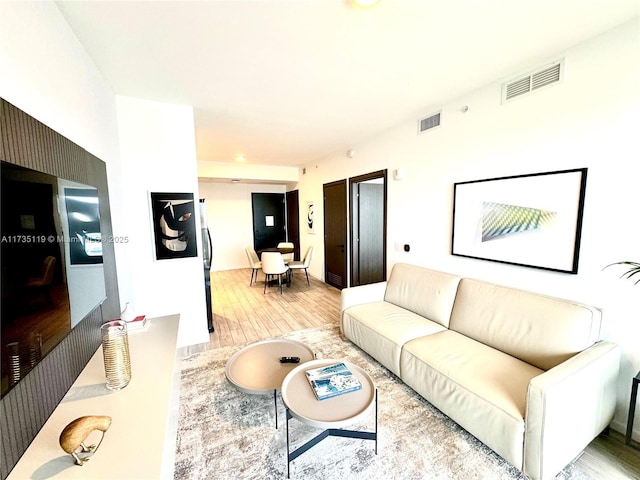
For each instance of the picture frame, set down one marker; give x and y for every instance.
(174, 225)
(532, 220)
(311, 226)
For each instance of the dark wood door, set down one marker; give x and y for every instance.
(268, 220)
(293, 222)
(368, 228)
(335, 233)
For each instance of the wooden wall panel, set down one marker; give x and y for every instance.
(24, 409)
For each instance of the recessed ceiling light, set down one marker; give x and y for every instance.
(364, 3)
(239, 158)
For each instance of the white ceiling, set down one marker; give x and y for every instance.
(289, 82)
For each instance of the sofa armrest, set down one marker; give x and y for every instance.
(567, 407)
(373, 292)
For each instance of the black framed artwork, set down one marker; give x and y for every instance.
(174, 225)
(311, 226)
(532, 220)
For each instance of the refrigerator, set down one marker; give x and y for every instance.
(207, 252)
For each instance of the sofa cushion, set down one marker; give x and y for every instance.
(428, 293)
(381, 329)
(483, 389)
(537, 329)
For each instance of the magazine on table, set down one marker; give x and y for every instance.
(332, 380)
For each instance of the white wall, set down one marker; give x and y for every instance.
(47, 73)
(157, 143)
(591, 119)
(230, 220)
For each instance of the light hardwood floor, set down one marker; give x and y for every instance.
(244, 314)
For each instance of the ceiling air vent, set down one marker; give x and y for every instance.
(538, 79)
(545, 77)
(428, 123)
(518, 87)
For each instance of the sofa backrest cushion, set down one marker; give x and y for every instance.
(428, 293)
(540, 330)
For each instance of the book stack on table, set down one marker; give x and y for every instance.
(332, 380)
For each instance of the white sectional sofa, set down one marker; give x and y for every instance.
(524, 373)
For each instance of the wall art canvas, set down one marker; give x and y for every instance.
(532, 220)
(174, 225)
(311, 226)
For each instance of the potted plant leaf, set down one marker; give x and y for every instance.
(633, 270)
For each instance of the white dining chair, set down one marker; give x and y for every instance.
(304, 264)
(254, 263)
(273, 266)
(287, 257)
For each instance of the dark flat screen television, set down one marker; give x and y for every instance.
(45, 223)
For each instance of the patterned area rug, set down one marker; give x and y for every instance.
(224, 433)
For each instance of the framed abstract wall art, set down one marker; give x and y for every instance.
(311, 226)
(174, 225)
(530, 220)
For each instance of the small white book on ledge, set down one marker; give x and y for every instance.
(139, 323)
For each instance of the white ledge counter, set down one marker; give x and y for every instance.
(140, 444)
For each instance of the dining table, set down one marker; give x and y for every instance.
(282, 250)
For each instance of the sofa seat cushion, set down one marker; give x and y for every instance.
(381, 329)
(482, 388)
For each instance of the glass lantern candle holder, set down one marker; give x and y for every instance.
(35, 349)
(115, 349)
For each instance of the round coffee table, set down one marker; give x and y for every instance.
(256, 368)
(332, 413)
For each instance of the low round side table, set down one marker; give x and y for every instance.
(256, 368)
(332, 413)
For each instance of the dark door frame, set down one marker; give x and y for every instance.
(354, 219)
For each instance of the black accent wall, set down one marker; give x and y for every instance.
(27, 142)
